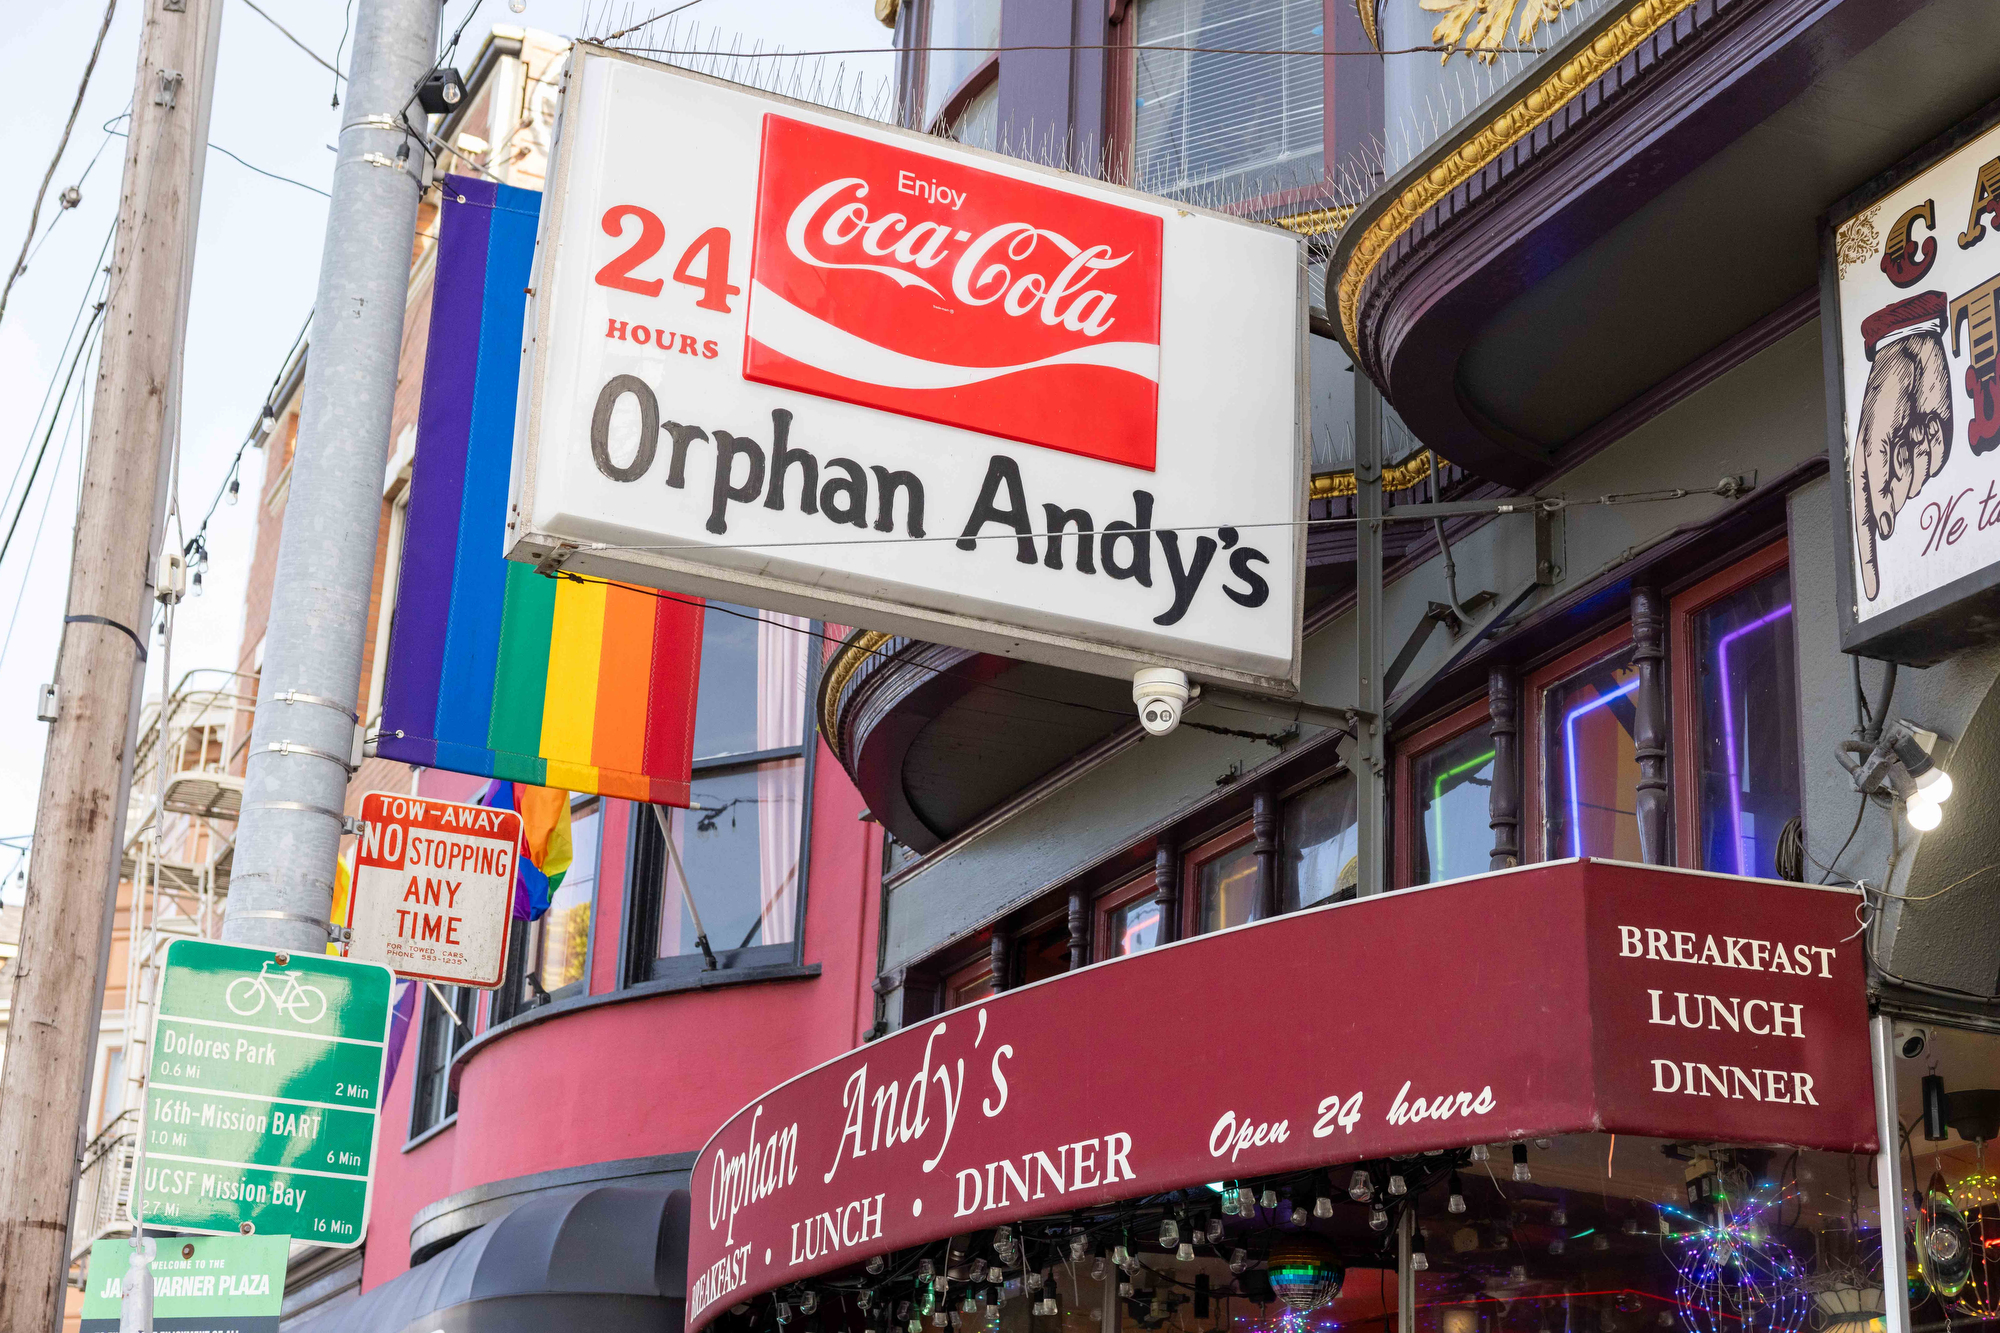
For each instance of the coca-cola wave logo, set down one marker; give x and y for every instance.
(928, 287)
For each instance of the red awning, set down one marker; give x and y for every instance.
(1569, 997)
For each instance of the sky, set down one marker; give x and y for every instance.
(256, 269)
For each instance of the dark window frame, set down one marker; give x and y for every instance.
(1140, 888)
(1684, 702)
(1534, 722)
(1121, 91)
(429, 1113)
(1404, 796)
(1208, 850)
(645, 864)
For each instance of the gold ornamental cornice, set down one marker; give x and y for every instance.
(858, 649)
(1398, 477)
(1511, 124)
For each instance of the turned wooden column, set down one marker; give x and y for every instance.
(1002, 956)
(1079, 929)
(1167, 884)
(1264, 844)
(1503, 798)
(1649, 730)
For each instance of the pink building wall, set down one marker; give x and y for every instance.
(646, 1076)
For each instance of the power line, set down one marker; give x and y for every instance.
(35, 214)
(690, 4)
(255, 9)
(82, 304)
(76, 413)
(70, 204)
(232, 157)
(28, 488)
(1075, 46)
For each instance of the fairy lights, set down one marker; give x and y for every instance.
(1733, 1278)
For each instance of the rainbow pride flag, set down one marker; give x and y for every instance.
(494, 669)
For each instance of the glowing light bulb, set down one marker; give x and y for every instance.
(1185, 1252)
(1923, 813)
(1170, 1232)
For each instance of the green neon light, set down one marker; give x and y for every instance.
(1437, 804)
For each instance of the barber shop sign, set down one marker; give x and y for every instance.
(1911, 275)
(791, 357)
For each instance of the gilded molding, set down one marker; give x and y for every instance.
(858, 649)
(1513, 123)
(1398, 477)
(1317, 221)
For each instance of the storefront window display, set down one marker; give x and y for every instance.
(1450, 786)
(1747, 747)
(1586, 1233)
(1590, 768)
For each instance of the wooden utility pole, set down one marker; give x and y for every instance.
(80, 816)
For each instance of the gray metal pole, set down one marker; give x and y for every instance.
(1406, 1276)
(296, 785)
(1889, 1183)
(1369, 760)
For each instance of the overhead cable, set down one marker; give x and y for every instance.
(34, 214)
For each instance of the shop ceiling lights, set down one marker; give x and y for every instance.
(1303, 1272)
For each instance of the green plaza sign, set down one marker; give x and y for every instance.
(263, 1092)
(218, 1284)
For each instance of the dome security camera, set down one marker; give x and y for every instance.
(1911, 1040)
(1161, 694)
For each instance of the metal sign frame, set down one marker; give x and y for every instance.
(800, 596)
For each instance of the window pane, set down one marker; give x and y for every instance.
(753, 681)
(1452, 782)
(1592, 775)
(443, 1034)
(1319, 846)
(1133, 928)
(1228, 886)
(971, 24)
(562, 953)
(966, 989)
(1748, 751)
(743, 856)
(978, 126)
(1227, 127)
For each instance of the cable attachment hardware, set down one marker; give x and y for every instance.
(316, 701)
(552, 563)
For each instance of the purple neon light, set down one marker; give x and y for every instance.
(1569, 750)
(1729, 725)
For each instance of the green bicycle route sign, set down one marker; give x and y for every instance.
(263, 1093)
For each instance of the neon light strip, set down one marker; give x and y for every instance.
(1729, 726)
(1437, 805)
(1569, 749)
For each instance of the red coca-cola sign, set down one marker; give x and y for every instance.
(920, 285)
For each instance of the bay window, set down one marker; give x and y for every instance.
(1590, 768)
(1216, 125)
(741, 841)
(1740, 747)
(1317, 845)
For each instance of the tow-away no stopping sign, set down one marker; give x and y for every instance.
(434, 888)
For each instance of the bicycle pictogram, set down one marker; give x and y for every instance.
(288, 994)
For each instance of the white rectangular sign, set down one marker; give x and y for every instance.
(434, 889)
(790, 357)
(1917, 271)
